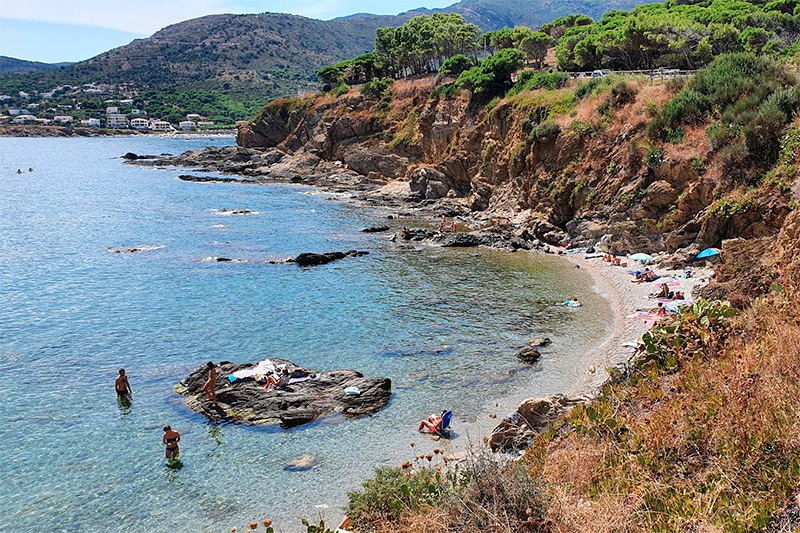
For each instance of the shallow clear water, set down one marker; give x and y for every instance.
(444, 325)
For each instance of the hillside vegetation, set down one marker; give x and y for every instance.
(700, 432)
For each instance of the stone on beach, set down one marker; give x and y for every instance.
(528, 355)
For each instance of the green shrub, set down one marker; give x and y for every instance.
(544, 132)
(530, 80)
(377, 87)
(455, 65)
(655, 156)
(340, 89)
(392, 491)
(493, 76)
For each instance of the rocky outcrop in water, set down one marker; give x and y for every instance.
(311, 259)
(330, 391)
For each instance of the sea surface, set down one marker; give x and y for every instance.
(443, 324)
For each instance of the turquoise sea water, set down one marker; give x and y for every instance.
(444, 325)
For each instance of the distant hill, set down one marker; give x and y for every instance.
(270, 55)
(10, 65)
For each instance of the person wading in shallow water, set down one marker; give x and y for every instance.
(211, 383)
(171, 439)
(122, 385)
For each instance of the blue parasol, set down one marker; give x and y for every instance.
(709, 252)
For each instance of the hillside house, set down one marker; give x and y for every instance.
(187, 125)
(43, 121)
(194, 117)
(91, 122)
(140, 123)
(62, 119)
(204, 123)
(160, 125)
(112, 110)
(24, 119)
(116, 121)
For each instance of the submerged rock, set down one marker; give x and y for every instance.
(540, 342)
(302, 463)
(135, 249)
(375, 229)
(227, 212)
(311, 259)
(291, 405)
(210, 179)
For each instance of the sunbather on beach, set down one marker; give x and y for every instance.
(433, 423)
(615, 261)
(661, 311)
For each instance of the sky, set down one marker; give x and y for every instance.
(53, 31)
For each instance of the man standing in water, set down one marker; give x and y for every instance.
(211, 383)
(171, 439)
(123, 387)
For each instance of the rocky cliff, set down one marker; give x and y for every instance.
(562, 166)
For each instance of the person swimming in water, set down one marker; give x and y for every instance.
(171, 439)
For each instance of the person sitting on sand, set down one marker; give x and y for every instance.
(678, 296)
(279, 381)
(664, 292)
(433, 423)
(661, 311)
(615, 261)
(211, 383)
(171, 439)
(122, 385)
(607, 257)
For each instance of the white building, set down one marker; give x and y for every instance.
(193, 117)
(160, 125)
(23, 94)
(4, 97)
(127, 101)
(43, 121)
(63, 119)
(140, 123)
(91, 122)
(22, 119)
(14, 111)
(138, 112)
(187, 125)
(112, 110)
(204, 123)
(116, 121)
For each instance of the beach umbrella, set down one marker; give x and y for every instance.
(641, 257)
(708, 252)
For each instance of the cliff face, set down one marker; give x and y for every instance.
(562, 166)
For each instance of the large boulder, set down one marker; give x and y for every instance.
(311, 259)
(332, 391)
(518, 429)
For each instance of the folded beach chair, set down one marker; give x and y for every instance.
(446, 417)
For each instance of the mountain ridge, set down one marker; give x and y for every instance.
(269, 55)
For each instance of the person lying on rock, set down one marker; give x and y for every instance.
(433, 423)
(279, 381)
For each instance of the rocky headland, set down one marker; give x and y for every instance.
(314, 394)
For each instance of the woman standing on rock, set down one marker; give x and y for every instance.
(211, 383)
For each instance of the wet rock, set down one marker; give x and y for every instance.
(539, 342)
(311, 259)
(227, 212)
(499, 240)
(130, 156)
(135, 249)
(533, 415)
(528, 355)
(375, 229)
(291, 405)
(302, 463)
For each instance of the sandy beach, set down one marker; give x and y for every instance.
(625, 299)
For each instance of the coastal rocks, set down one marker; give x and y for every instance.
(528, 355)
(311, 259)
(297, 403)
(209, 179)
(135, 249)
(540, 342)
(501, 241)
(533, 415)
(375, 229)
